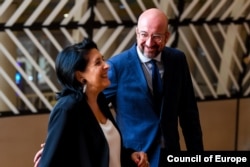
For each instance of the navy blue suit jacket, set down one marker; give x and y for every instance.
(139, 124)
(75, 137)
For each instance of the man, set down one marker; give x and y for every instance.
(147, 124)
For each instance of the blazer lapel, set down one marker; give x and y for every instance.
(168, 73)
(135, 66)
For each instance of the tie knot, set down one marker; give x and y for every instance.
(152, 64)
(153, 60)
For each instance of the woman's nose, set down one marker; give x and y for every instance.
(106, 65)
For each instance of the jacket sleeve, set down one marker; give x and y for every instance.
(189, 114)
(54, 136)
(61, 147)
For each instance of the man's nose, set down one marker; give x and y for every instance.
(149, 41)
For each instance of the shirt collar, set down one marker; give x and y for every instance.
(145, 59)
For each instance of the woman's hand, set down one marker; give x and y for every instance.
(38, 156)
(141, 159)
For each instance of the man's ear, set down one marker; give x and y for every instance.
(167, 35)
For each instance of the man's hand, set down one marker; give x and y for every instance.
(141, 159)
(38, 156)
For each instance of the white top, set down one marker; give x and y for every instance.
(114, 141)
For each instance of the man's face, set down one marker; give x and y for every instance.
(151, 37)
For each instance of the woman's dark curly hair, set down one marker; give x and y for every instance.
(71, 59)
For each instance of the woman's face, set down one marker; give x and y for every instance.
(96, 73)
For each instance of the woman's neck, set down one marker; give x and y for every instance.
(92, 101)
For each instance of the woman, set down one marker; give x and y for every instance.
(81, 130)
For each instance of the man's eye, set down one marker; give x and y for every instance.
(144, 35)
(157, 37)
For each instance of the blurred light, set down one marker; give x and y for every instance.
(65, 15)
(18, 78)
(30, 78)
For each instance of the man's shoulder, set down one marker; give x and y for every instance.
(128, 50)
(169, 50)
(124, 54)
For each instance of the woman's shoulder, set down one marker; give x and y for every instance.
(68, 103)
(68, 100)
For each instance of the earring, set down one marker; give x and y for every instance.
(84, 86)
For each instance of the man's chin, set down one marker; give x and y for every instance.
(150, 55)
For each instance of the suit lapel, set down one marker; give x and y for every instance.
(167, 79)
(135, 68)
(168, 73)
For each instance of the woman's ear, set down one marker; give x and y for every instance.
(80, 77)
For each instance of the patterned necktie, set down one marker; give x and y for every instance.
(157, 85)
